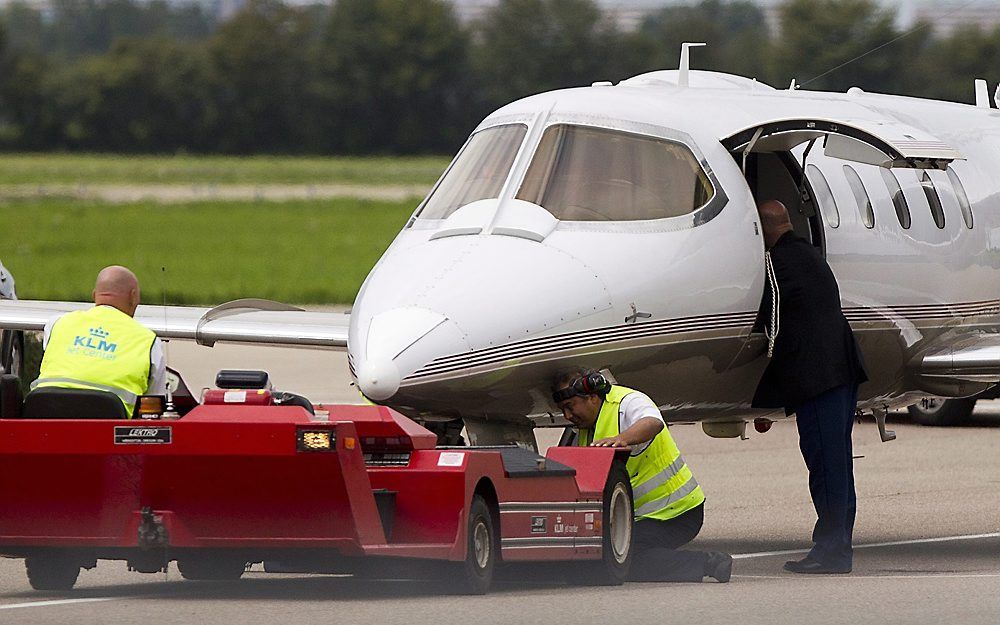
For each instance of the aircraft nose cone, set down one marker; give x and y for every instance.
(378, 379)
(395, 343)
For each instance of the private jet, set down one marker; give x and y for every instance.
(613, 226)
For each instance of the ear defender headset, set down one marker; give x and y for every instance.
(590, 383)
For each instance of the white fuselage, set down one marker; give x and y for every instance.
(471, 312)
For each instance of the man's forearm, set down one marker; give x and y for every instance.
(642, 432)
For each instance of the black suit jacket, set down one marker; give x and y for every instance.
(815, 350)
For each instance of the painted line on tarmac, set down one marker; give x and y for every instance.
(893, 543)
(850, 576)
(44, 604)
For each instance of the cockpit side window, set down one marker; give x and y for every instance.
(584, 173)
(478, 173)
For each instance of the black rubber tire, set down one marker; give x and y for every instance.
(207, 568)
(616, 540)
(942, 412)
(51, 572)
(483, 549)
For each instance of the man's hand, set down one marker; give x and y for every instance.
(614, 441)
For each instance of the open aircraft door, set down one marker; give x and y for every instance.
(881, 142)
(884, 142)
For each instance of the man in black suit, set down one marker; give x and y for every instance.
(814, 372)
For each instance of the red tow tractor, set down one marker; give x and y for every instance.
(249, 475)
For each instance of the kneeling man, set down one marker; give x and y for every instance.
(669, 504)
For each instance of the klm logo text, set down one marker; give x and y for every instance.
(96, 340)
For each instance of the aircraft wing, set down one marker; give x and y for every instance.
(975, 358)
(241, 321)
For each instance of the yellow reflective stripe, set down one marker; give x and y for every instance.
(125, 396)
(658, 479)
(658, 504)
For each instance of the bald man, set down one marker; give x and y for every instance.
(104, 348)
(814, 372)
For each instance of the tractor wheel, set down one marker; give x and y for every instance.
(51, 571)
(483, 549)
(616, 541)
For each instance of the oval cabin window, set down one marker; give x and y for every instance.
(963, 197)
(860, 196)
(827, 203)
(933, 199)
(898, 199)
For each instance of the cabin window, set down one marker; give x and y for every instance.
(827, 203)
(860, 196)
(898, 199)
(478, 172)
(933, 199)
(582, 173)
(963, 197)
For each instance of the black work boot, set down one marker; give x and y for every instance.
(719, 566)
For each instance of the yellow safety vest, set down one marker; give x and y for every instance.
(101, 348)
(662, 484)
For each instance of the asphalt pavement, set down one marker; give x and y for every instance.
(927, 538)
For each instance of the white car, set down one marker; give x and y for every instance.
(11, 341)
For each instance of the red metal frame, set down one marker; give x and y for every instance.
(232, 478)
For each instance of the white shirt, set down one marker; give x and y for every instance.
(157, 383)
(634, 408)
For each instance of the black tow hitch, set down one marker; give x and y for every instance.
(152, 531)
(153, 540)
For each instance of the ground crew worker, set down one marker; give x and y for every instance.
(104, 348)
(668, 502)
(814, 372)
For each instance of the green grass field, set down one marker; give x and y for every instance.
(310, 252)
(41, 169)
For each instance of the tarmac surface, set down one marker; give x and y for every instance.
(927, 541)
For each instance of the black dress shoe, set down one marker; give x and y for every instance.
(808, 565)
(719, 566)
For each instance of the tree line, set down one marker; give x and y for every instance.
(407, 76)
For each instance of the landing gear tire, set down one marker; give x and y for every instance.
(201, 568)
(482, 549)
(942, 412)
(51, 572)
(616, 539)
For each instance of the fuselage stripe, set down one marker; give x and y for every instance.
(667, 327)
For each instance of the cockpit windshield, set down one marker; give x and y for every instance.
(478, 172)
(583, 173)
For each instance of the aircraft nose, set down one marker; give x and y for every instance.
(455, 297)
(391, 335)
(378, 379)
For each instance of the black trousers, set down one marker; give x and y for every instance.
(657, 557)
(825, 424)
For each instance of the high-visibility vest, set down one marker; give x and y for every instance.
(101, 349)
(663, 486)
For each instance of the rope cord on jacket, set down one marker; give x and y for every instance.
(772, 280)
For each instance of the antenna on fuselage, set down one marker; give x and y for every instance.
(685, 64)
(982, 94)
